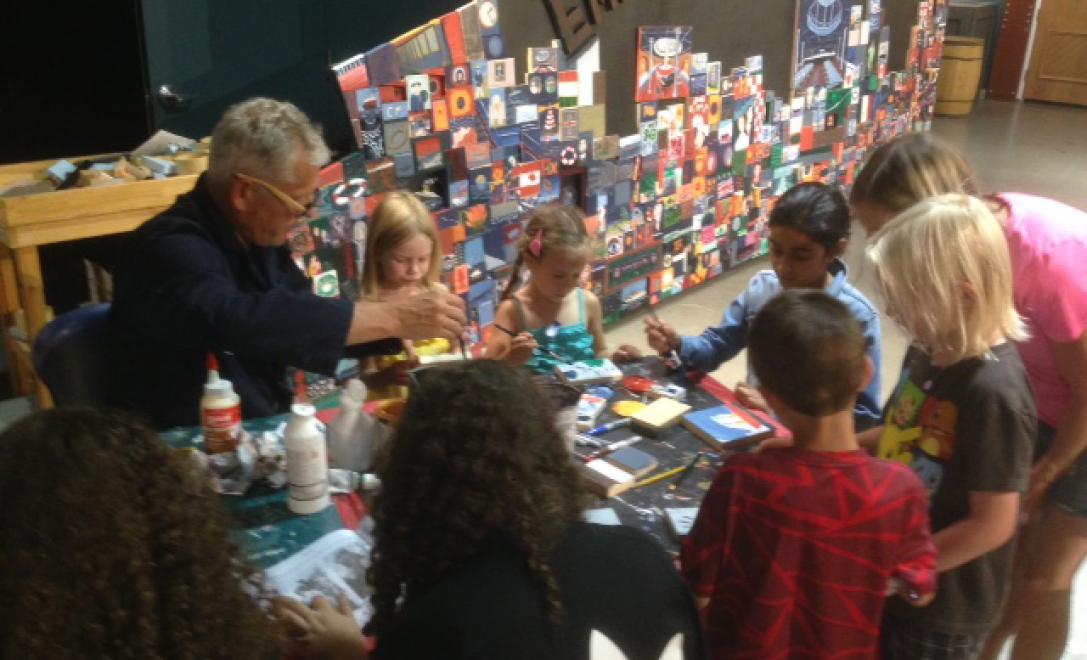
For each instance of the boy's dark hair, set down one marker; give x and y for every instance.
(814, 209)
(808, 349)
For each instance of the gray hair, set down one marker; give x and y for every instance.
(263, 137)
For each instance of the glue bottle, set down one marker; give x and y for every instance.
(307, 462)
(220, 411)
(350, 435)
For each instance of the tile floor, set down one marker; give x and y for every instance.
(1019, 147)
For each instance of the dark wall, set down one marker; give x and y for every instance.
(70, 80)
(728, 30)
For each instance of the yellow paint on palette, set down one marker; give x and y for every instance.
(627, 408)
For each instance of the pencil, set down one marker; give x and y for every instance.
(686, 471)
(660, 477)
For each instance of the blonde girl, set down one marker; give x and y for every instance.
(1047, 241)
(962, 416)
(402, 259)
(551, 316)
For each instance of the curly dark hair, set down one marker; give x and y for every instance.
(476, 459)
(112, 546)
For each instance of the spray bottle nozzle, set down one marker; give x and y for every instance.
(301, 393)
(213, 368)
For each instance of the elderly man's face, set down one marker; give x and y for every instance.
(261, 217)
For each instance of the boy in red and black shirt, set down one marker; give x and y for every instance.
(795, 549)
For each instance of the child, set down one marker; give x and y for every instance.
(793, 549)
(809, 232)
(113, 546)
(479, 547)
(551, 313)
(402, 259)
(962, 416)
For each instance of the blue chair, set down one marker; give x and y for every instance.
(71, 356)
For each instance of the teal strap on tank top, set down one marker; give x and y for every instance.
(572, 342)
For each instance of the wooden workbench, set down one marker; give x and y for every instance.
(33, 220)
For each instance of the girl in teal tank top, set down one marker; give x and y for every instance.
(551, 318)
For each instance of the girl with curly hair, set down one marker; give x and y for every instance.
(112, 546)
(480, 551)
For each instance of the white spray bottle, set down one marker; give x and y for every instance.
(351, 434)
(307, 461)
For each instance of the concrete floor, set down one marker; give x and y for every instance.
(1033, 148)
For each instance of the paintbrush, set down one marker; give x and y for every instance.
(551, 354)
(673, 354)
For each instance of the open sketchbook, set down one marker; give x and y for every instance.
(335, 563)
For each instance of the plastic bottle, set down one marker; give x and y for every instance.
(220, 411)
(350, 435)
(307, 462)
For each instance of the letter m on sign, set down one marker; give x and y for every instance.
(571, 23)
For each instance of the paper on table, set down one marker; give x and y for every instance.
(332, 564)
(160, 142)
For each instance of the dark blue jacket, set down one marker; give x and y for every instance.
(188, 286)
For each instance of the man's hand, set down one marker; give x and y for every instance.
(431, 314)
(427, 315)
(322, 631)
(661, 336)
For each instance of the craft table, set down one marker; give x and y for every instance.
(642, 507)
(262, 525)
(30, 221)
(269, 532)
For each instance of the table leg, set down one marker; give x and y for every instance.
(32, 288)
(21, 383)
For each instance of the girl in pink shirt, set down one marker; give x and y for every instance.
(1047, 241)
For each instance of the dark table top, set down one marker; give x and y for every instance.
(674, 447)
(269, 532)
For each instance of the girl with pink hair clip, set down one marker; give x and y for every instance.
(549, 319)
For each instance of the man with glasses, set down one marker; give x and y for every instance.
(213, 274)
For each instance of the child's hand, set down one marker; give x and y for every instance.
(322, 631)
(521, 348)
(661, 336)
(774, 442)
(626, 353)
(395, 374)
(896, 586)
(751, 398)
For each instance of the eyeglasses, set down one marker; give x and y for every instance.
(292, 204)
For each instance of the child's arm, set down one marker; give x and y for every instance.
(703, 556)
(595, 322)
(329, 631)
(915, 574)
(1071, 440)
(989, 525)
(392, 375)
(995, 432)
(500, 346)
(870, 439)
(868, 411)
(718, 344)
